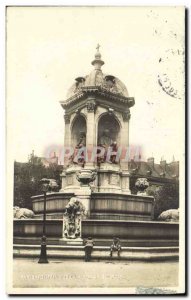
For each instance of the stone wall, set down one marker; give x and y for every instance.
(110, 206)
(134, 233)
(130, 229)
(55, 203)
(33, 228)
(121, 207)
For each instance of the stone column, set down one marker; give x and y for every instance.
(90, 136)
(125, 182)
(63, 177)
(66, 144)
(67, 136)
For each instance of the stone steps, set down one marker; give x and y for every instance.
(99, 252)
(100, 242)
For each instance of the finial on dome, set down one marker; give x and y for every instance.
(98, 46)
(97, 62)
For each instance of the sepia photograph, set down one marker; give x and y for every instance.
(95, 142)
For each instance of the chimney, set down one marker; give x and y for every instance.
(163, 164)
(150, 162)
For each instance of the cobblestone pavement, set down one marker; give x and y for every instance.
(76, 273)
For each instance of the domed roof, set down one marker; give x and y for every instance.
(97, 78)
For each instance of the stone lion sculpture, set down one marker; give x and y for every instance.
(170, 215)
(141, 184)
(22, 213)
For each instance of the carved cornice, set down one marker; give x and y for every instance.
(97, 90)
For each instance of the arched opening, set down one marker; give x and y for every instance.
(108, 139)
(78, 132)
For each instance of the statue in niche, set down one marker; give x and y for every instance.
(114, 149)
(74, 213)
(82, 139)
(81, 144)
(105, 139)
(106, 142)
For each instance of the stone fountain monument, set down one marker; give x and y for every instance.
(95, 199)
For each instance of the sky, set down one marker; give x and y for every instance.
(48, 47)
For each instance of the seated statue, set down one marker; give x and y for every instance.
(105, 140)
(113, 148)
(79, 156)
(74, 158)
(82, 139)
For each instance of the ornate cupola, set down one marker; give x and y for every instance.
(97, 114)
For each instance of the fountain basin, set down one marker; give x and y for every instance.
(131, 233)
(104, 206)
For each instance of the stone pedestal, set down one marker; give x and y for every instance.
(78, 207)
(125, 182)
(111, 179)
(63, 178)
(69, 182)
(76, 242)
(85, 177)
